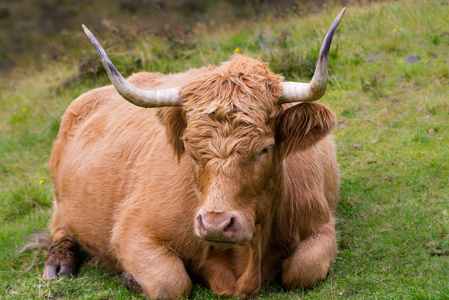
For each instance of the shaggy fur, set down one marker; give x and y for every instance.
(130, 183)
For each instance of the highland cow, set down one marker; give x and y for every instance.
(224, 175)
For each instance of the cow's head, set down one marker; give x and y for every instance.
(236, 124)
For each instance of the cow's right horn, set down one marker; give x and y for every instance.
(301, 92)
(139, 97)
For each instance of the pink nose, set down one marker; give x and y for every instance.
(216, 226)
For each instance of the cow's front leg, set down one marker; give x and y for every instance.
(153, 269)
(312, 258)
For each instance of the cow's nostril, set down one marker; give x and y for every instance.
(200, 224)
(230, 226)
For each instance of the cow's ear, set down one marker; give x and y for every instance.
(303, 125)
(175, 124)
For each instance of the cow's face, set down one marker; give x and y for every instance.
(236, 136)
(233, 165)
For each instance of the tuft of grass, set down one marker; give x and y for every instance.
(392, 139)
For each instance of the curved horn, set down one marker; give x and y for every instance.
(139, 97)
(300, 92)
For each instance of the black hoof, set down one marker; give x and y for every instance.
(63, 259)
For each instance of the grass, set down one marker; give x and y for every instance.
(392, 142)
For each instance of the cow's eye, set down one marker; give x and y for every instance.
(262, 153)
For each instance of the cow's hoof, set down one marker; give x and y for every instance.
(131, 283)
(63, 259)
(52, 271)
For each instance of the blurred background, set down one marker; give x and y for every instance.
(36, 30)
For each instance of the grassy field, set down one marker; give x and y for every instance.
(389, 86)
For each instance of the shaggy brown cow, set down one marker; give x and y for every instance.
(224, 184)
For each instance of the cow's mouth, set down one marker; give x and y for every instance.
(223, 244)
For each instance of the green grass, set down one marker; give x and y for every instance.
(392, 137)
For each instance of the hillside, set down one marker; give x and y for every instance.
(388, 85)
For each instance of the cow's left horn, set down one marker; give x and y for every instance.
(139, 97)
(301, 92)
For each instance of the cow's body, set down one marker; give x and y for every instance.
(117, 178)
(231, 188)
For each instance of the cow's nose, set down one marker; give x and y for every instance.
(216, 226)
